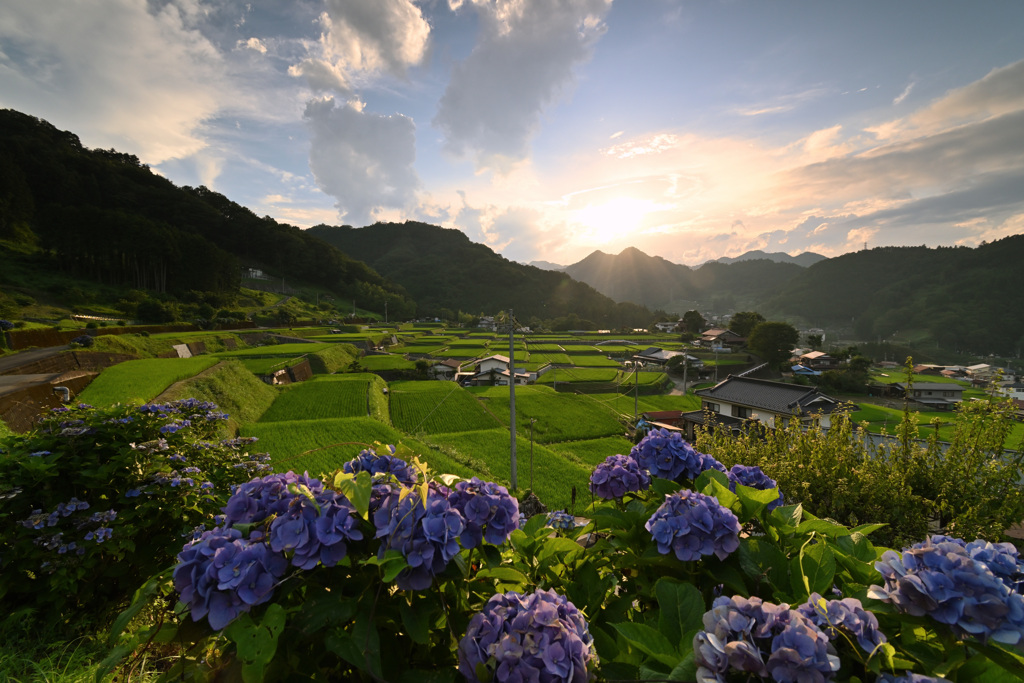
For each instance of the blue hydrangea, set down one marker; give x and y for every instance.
(755, 478)
(256, 500)
(560, 519)
(693, 525)
(617, 476)
(846, 616)
(753, 637)
(539, 636)
(665, 454)
(940, 579)
(1002, 559)
(369, 461)
(221, 575)
(489, 511)
(315, 532)
(909, 678)
(425, 532)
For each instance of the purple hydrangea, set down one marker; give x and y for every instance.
(617, 476)
(940, 579)
(692, 525)
(369, 461)
(560, 519)
(909, 678)
(221, 575)
(489, 511)
(846, 616)
(762, 639)
(1002, 559)
(426, 533)
(315, 532)
(539, 636)
(755, 478)
(665, 454)
(256, 500)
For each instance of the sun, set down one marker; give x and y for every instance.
(614, 219)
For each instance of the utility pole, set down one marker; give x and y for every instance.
(636, 389)
(532, 420)
(512, 392)
(686, 366)
(385, 311)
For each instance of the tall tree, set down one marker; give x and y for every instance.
(744, 322)
(694, 322)
(773, 341)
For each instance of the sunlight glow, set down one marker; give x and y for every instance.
(613, 220)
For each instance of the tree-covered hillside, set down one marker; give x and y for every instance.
(102, 215)
(964, 299)
(443, 270)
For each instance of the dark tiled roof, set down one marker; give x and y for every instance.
(776, 397)
(931, 386)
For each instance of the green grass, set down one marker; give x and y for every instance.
(553, 357)
(265, 366)
(593, 452)
(334, 358)
(578, 375)
(276, 350)
(329, 396)
(593, 360)
(388, 362)
(139, 381)
(237, 391)
(881, 418)
(318, 446)
(899, 376)
(559, 417)
(436, 407)
(554, 476)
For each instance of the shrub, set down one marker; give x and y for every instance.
(94, 499)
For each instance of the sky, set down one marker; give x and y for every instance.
(547, 129)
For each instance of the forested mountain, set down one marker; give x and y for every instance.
(807, 258)
(962, 298)
(444, 271)
(634, 276)
(102, 215)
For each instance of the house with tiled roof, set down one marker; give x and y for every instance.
(935, 395)
(718, 337)
(737, 400)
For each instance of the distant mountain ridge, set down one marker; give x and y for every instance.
(805, 259)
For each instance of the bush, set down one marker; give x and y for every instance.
(92, 500)
(84, 340)
(307, 579)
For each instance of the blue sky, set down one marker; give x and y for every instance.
(547, 129)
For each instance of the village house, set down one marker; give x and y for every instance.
(668, 326)
(721, 338)
(446, 369)
(737, 400)
(935, 395)
(652, 355)
(494, 371)
(817, 360)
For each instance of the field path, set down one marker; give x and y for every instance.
(166, 393)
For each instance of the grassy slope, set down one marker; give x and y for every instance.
(559, 417)
(236, 390)
(331, 396)
(437, 407)
(139, 381)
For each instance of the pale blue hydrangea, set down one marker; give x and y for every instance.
(692, 525)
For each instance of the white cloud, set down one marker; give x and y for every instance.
(903, 95)
(363, 160)
(253, 44)
(362, 39)
(523, 60)
(116, 72)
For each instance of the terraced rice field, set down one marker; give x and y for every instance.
(138, 381)
(329, 396)
(553, 476)
(319, 446)
(593, 360)
(389, 362)
(559, 417)
(592, 452)
(274, 350)
(578, 375)
(437, 407)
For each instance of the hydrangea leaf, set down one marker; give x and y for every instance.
(649, 641)
(682, 609)
(813, 570)
(256, 643)
(754, 500)
(763, 561)
(416, 621)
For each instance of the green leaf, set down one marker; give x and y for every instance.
(650, 642)
(1009, 659)
(492, 556)
(822, 527)
(682, 608)
(256, 643)
(787, 515)
(504, 574)
(813, 570)
(663, 487)
(707, 476)
(416, 620)
(685, 670)
(762, 561)
(357, 488)
(139, 600)
(867, 528)
(754, 500)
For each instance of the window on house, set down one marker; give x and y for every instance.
(947, 394)
(713, 407)
(741, 412)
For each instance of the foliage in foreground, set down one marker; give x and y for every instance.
(683, 571)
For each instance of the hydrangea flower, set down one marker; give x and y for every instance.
(940, 579)
(909, 678)
(751, 636)
(490, 513)
(560, 519)
(665, 454)
(369, 461)
(221, 575)
(256, 500)
(755, 478)
(427, 534)
(1002, 559)
(835, 617)
(539, 636)
(315, 532)
(617, 476)
(692, 525)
